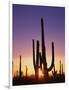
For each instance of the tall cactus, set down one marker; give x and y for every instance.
(46, 70)
(41, 57)
(43, 49)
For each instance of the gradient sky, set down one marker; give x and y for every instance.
(27, 26)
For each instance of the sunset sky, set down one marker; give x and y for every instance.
(27, 26)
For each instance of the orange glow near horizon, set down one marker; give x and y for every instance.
(29, 62)
(40, 73)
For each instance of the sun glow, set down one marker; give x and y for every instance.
(40, 73)
(28, 62)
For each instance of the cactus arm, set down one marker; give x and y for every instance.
(33, 53)
(37, 53)
(52, 64)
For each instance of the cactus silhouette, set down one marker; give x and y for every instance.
(20, 73)
(54, 72)
(41, 56)
(60, 67)
(36, 62)
(26, 71)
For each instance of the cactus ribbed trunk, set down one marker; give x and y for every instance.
(46, 70)
(43, 49)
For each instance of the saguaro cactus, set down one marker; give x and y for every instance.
(46, 70)
(41, 57)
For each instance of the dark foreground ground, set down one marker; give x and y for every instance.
(32, 80)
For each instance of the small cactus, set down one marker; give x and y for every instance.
(26, 71)
(20, 72)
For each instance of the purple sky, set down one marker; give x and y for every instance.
(27, 26)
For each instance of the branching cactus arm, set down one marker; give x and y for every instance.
(52, 64)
